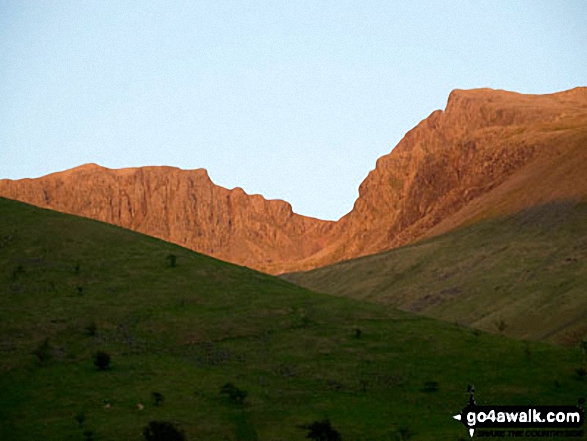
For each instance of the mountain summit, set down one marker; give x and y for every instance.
(489, 153)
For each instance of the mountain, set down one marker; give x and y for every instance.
(179, 206)
(185, 328)
(483, 207)
(489, 153)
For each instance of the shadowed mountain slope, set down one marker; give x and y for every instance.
(489, 153)
(523, 275)
(185, 328)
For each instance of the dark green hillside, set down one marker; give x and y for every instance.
(524, 275)
(186, 330)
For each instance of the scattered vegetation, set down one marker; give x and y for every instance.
(19, 270)
(404, 433)
(80, 417)
(163, 431)
(91, 329)
(172, 260)
(581, 372)
(322, 431)
(44, 352)
(527, 350)
(500, 325)
(157, 398)
(233, 393)
(430, 386)
(102, 360)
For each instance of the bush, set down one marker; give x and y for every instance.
(501, 325)
(43, 351)
(102, 360)
(91, 329)
(162, 431)
(404, 433)
(17, 272)
(158, 398)
(358, 333)
(430, 386)
(322, 431)
(172, 260)
(80, 418)
(88, 435)
(234, 393)
(527, 350)
(581, 372)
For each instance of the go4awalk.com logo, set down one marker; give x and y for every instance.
(522, 421)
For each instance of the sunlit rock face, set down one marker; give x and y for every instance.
(489, 153)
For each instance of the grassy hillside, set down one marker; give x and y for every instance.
(524, 275)
(184, 331)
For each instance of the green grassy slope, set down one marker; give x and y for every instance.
(185, 331)
(528, 271)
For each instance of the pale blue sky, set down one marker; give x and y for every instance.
(293, 100)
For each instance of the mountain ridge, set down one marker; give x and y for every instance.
(480, 157)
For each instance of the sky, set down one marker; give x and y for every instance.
(292, 100)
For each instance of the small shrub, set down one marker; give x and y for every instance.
(80, 417)
(527, 350)
(364, 385)
(76, 268)
(172, 260)
(80, 290)
(102, 360)
(17, 272)
(88, 435)
(501, 325)
(91, 329)
(581, 372)
(162, 431)
(583, 346)
(358, 333)
(322, 431)
(157, 398)
(430, 386)
(404, 433)
(234, 393)
(43, 351)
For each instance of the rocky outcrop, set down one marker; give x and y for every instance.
(180, 206)
(487, 154)
(510, 150)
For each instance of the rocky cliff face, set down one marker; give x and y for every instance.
(488, 153)
(180, 206)
(510, 151)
